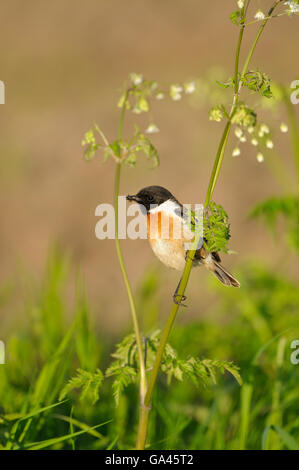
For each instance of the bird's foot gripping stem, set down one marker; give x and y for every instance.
(178, 299)
(179, 302)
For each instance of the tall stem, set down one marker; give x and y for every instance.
(143, 422)
(236, 76)
(217, 163)
(143, 383)
(261, 28)
(129, 290)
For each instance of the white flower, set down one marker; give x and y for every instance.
(260, 157)
(265, 129)
(250, 130)
(254, 142)
(160, 95)
(176, 96)
(259, 15)
(189, 87)
(236, 152)
(136, 78)
(269, 144)
(240, 3)
(284, 127)
(238, 132)
(293, 7)
(152, 129)
(176, 92)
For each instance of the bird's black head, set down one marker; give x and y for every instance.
(152, 196)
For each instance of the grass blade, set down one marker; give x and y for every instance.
(57, 440)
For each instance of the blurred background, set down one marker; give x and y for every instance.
(64, 64)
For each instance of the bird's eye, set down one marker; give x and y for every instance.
(150, 198)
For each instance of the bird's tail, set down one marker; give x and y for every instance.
(223, 275)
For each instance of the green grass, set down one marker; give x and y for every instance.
(253, 328)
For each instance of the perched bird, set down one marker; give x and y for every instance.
(165, 214)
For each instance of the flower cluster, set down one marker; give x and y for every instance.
(120, 150)
(293, 7)
(259, 15)
(140, 91)
(258, 136)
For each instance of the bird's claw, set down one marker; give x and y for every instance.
(183, 298)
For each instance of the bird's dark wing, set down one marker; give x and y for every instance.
(202, 253)
(215, 256)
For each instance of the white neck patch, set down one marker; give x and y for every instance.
(169, 207)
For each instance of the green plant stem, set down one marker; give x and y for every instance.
(217, 163)
(223, 141)
(143, 422)
(275, 416)
(143, 383)
(236, 77)
(128, 288)
(261, 28)
(142, 426)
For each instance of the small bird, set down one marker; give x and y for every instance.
(164, 213)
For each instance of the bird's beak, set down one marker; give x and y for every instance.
(133, 198)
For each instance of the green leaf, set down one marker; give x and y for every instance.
(144, 145)
(246, 397)
(131, 159)
(91, 144)
(124, 368)
(56, 440)
(89, 382)
(258, 81)
(199, 371)
(123, 376)
(79, 424)
(23, 417)
(229, 83)
(126, 351)
(116, 148)
(289, 441)
(216, 228)
(47, 379)
(216, 113)
(236, 17)
(272, 208)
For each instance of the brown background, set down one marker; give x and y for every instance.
(63, 63)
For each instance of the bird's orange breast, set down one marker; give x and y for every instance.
(160, 225)
(165, 234)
